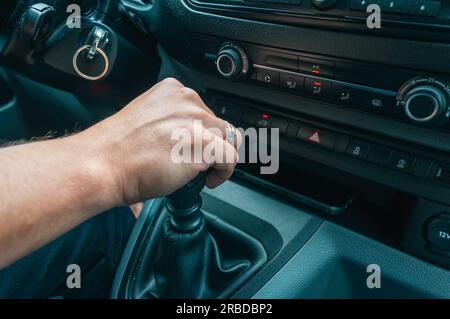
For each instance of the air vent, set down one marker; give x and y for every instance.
(443, 175)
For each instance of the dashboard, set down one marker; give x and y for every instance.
(378, 101)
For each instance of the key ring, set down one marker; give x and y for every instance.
(85, 76)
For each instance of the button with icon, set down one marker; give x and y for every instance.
(345, 94)
(358, 149)
(317, 88)
(268, 77)
(317, 136)
(263, 120)
(291, 83)
(316, 67)
(402, 162)
(378, 102)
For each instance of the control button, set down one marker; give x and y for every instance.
(442, 174)
(345, 94)
(292, 83)
(378, 103)
(379, 155)
(437, 232)
(293, 129)
(232, 62)
(394, 6)
(402, 162)
(263, 120)
(361, 5)
(317, 88)
(317, 136)
(228, 110)
(341, 143)
(281, 124)
(423, 167)
(226, 65)
(316, 67)
(268, 77)
(358, 149)
(424, 101)
(249, 116)
(422, 106)
(428, 8)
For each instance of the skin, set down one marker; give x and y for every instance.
(49, 187)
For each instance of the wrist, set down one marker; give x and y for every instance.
(95, 170)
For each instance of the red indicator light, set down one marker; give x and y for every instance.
(316, 71)
(265, 116)
(317, 84)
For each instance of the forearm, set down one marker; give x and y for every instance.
(48, 188)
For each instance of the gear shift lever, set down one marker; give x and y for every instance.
(189, 255)
(184, 205)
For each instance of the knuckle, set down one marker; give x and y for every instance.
(198, 113)
(171, 82)
(189, 93)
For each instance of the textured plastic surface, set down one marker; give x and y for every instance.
(333, 263)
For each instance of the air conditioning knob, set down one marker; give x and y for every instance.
(324, 4)
(232, 62)
(425, 101)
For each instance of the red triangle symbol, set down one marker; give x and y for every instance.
(315, 137)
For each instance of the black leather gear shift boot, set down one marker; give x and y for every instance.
(211, 261)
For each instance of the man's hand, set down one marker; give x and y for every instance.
(136, 143)
(49, 187)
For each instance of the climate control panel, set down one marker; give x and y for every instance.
(412, 96)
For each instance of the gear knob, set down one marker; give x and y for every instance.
(188, 196)
(185, 203)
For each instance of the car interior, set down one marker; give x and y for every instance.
(363, 117)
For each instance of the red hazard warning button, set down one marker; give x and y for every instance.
(315, 135)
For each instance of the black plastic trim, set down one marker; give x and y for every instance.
(271, 268)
